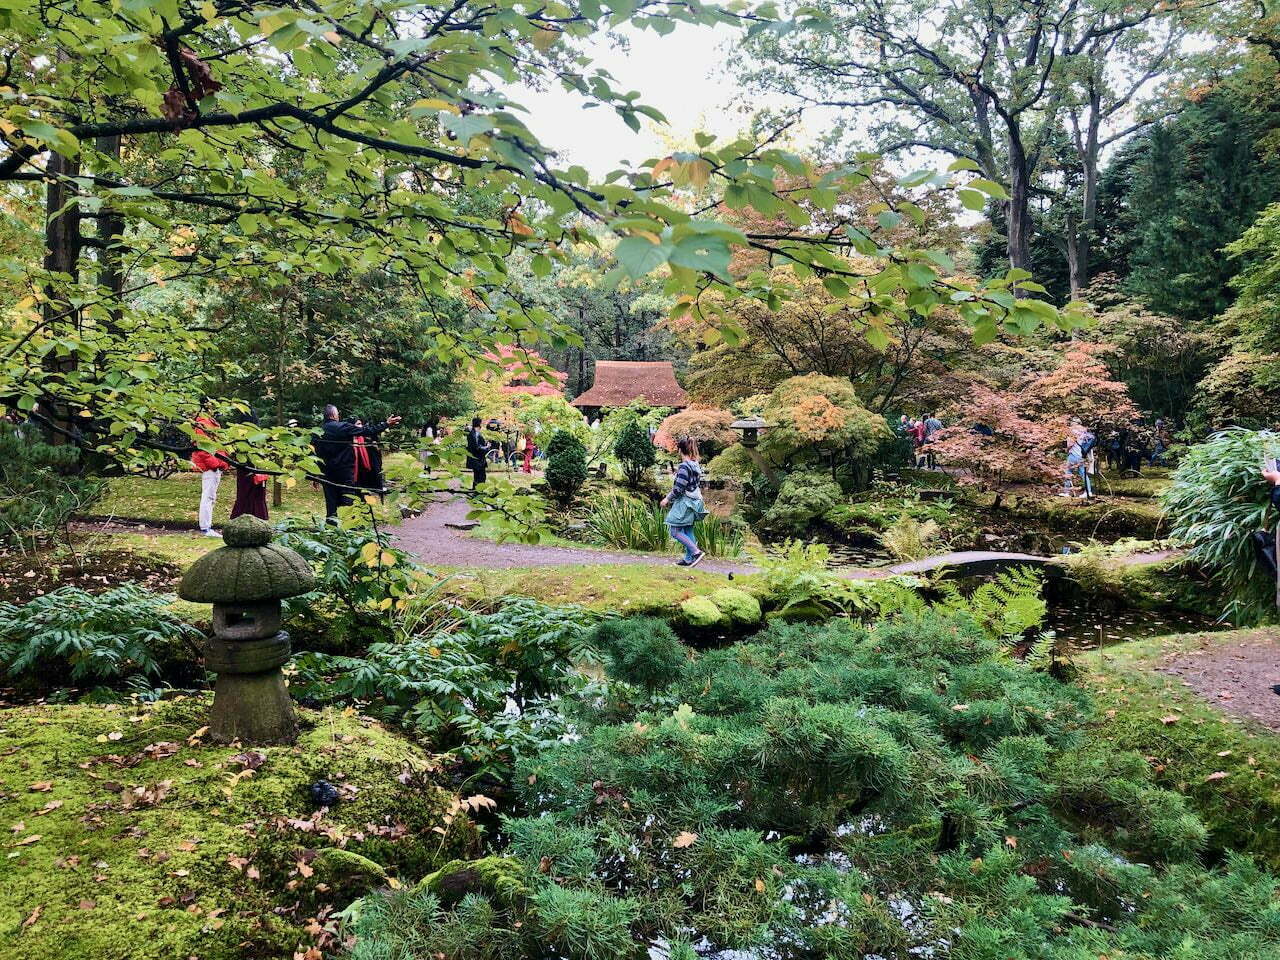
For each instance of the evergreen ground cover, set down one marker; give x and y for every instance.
(838, 790)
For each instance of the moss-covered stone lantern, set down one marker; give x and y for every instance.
(245, 581)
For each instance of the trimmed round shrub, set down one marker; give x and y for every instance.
(641, 650)
(738, 605)
(803, 498)
(635, 451)
(701, 612)
(566, 466)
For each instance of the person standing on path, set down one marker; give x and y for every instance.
(526, 452)
(917, 441)
(210, 467)
(931, 426)
(1075, 467)
(685, 501)
(477, 453)
(336, 451)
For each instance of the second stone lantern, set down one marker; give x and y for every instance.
(245, 581)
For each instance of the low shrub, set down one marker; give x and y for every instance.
(1215, 503)
(642, 651)
(566, 466)
(42, 487)
(483, 689)
(120, 636)
(802, 498)
(362, 581)
(635, 450)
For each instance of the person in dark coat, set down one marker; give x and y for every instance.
(251, 486)
(338, 457)
(477, 453)
(368, 463)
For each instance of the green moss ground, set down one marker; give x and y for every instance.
(1103, 518)
(1242, 809)
(648, 589)
(175, 501)
(141, 854)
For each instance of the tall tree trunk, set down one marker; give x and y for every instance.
(1079, 263)
(1018, 206)
(62, 244)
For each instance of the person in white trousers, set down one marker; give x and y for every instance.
(210, 466)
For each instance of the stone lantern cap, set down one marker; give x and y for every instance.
(249, 569)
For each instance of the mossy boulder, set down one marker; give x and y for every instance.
(348, 871)
(807, 611)
(702, 612)
(738, 605)
(139, 839)
(500, 879)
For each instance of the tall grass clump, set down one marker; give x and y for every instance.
(630, 524)
(1216, 502)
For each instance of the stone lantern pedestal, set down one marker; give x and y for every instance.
(245, 581)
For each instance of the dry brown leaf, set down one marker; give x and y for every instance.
(1217, 775)
(33, 917)
(684, 839)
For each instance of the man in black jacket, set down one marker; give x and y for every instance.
(477, 453)
(338, 457)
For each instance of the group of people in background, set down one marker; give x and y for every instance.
(919, 433)
(350, 463)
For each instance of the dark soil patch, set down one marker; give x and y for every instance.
(32, 574)
(1237, 677)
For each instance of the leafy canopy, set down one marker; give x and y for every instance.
(286, 140)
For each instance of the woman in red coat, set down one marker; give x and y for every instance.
(210, 467)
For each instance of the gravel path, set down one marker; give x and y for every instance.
(432, 540)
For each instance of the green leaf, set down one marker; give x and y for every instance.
(708, 254)
(989, 187)
(640, 256)
(467, 126)
(888, 219)
(972, 199)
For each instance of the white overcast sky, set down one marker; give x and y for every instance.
(686, 74)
